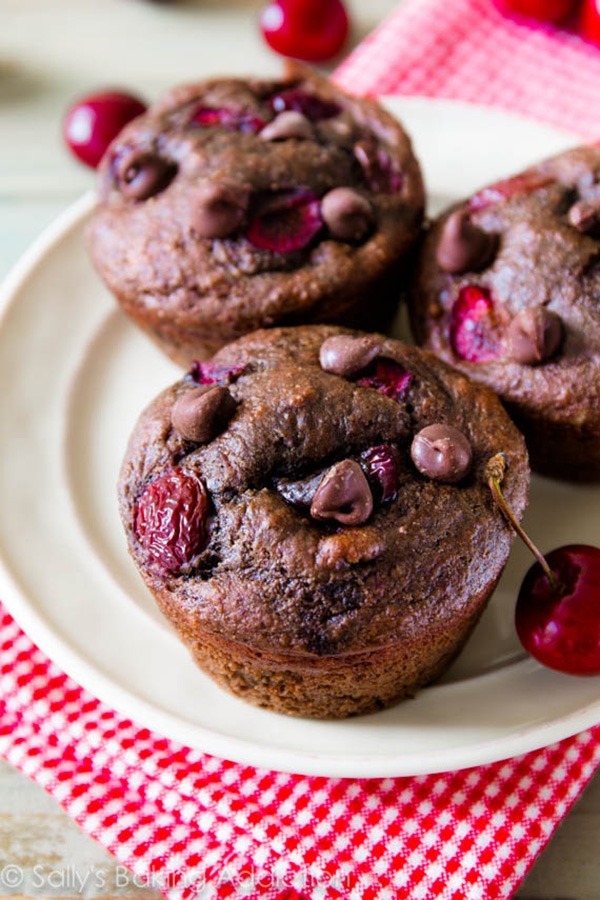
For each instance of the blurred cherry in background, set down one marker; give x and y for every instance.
(311, 30)
(93, 121)
(555, 11)
(589, 20)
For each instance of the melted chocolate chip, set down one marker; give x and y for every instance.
(347, 214)
(534, 335)
(347, 356)
(143, 174)
(220, 209)
(200, 414)
(288, 124)
(301, 491)
(585, 216)
(442, 453)
(463, 247)
(343, 495)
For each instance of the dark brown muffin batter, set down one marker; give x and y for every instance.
(310, 511)
(237, 204)
(508, 291)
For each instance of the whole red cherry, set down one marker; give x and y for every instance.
(589, 21)
(557, 616)
(560, 625)
(93, 121)
(312, 30)
(544, 10)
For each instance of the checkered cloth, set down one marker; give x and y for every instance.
(467, 50)
(192, 825)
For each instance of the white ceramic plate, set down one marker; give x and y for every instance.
(74, 376)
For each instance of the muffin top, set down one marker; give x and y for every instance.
(318, 490)
(508, 284)
(249, 200)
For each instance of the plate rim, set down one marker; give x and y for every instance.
(242, 750)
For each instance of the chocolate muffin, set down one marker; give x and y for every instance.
(238, 204)
(507, 290)
(310, 511)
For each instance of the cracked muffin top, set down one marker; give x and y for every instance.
(508, 289)
(235, 204)
(320, 491)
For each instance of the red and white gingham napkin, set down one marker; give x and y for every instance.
(196, 826)
(192, 825)
(467, 50)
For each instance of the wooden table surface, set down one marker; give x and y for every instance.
(51, 51)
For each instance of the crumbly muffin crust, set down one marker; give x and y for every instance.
(531, 247)
(217, 216)
(295, 611)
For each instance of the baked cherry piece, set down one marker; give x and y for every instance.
(286, 222)
(381, 465)
(315, 109)
(543, 10)
(171, 520)
(209, 373)
(232, 119)
(557, 616)
(524, 183)
(312, 30)
(92, 122)
(473, 326)
(386, 376)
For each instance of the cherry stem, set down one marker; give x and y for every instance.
(494, 472)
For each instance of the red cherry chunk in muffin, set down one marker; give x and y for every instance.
(524, 183)
(286, 222)
(234, 119)
(381, 465)
(171, 520)
(314, 108)
(473, 329)
(210, 373)
(388, 377)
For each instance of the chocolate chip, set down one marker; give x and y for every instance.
(534, 335)
(346, 355)
(142, 175)
(301, 491)
(220, 209)
(585, 216)
(442, 453)
(347, 214)
(338, 130)
(288, 124)
(201, 413)
(343, 495)
(463, 247)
